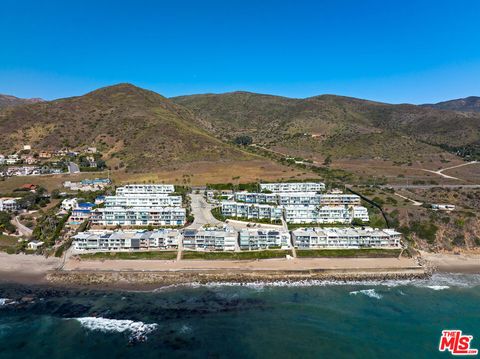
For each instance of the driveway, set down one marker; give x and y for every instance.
(73, 168)
(201, 210)
(23, 230)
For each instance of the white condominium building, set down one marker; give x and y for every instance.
(210, 239)
(145, 189)
(251, 210)
(293, 187)
(360, 212)
(126, 240)
(143, 200)
(311, 238)
(139, 216)
(334, 199)
(325, 214)
(316, 214)
(298, 198)
(252, 239)
(252, 197)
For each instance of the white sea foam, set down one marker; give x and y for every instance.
(442, 281)
(368, 292)
(3, 301)
(138, 330)
(185, 329)
(438, 279)
(437, 287)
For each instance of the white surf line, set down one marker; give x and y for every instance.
(415, 203)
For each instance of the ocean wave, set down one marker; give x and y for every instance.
(443, 280)
(3, 301)
(437, 287)
(368, 292)
(138, 330)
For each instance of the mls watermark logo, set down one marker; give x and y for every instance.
(456, 343)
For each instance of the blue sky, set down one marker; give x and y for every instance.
(393, 51)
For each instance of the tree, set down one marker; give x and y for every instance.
(327, 161)
(357, 222)
(5, 225)
(55, 194)
(243, 140)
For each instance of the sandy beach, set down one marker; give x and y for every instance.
(141, 274)
(24, 268)
(278, 264)
(455, 263)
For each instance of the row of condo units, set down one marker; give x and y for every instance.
(298, 198)
(141, 205)
(295, 214)
(293, 187)
(143, 200)
(226, 238)
(365, 237)
(296, 202)
(138, 216)
(107, 240)
(145, 189)
(325, 214)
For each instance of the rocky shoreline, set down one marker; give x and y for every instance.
(158, 279)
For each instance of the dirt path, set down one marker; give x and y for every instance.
(415, 203)
(440, 172)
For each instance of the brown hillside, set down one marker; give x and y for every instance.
(10, 101)
(340, 126)
(135, 128)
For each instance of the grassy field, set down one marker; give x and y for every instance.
(50, 182)
(167, 255)
(202, 172)
(348, 253)
(8, 243)
(236, 255)
(196, 174)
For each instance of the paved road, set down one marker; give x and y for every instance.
(73, 168)
(427, 186)
(21, 228)
(180, 251)
(285, 228)
(201, 210)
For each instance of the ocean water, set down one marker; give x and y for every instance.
(396, 319)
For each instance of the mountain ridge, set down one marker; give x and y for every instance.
(465, 104)
(133, 127)
(139, 129)
(335, 125)
(9, 101)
